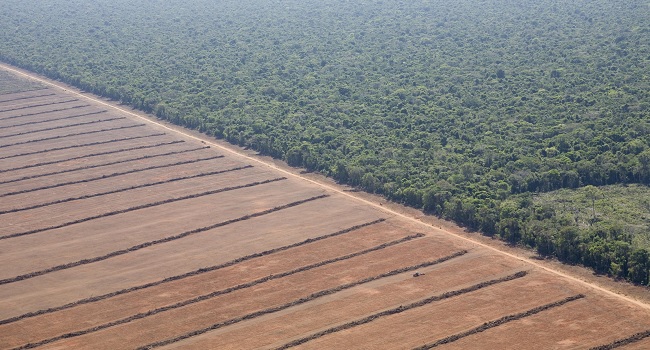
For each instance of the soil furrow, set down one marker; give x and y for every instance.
(623, 342)
(26, 98)
(63, 127)
(93, 155)
(401, 309)
(46, 112)
(503, 320)
(70, 135)
(190, 274)
(121, 190)
(50, 120)
(102, 165)
(155, 242)
(82, 145)
(41, 105)
(222, 292)
(111, 175)
(138, 207)
(309, 298)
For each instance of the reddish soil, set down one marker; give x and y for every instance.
(92, 234)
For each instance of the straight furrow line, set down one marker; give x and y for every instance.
(156, 242)
(623, 342)
(62, 127)
(75, 134)
(111, 175)
(120, 190)
(26, 98)
(19, 92)
(52, 120)
(83, 145)
(93, 155)
(138, 207)
(103, 165)
(401, 309)
(300, 301)
(189, 274)
(41, 105)
(45, 112)
(503, 320)
(221, 292)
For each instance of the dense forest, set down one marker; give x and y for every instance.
(467, 109)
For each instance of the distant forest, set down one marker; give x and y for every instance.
(467, 109)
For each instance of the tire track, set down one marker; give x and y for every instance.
(51, 120)
(300, 301)
(63, 127)
(190, 274)
(27, 97)
(401, 309)
(104, 164)
(221, 292)
(107, 176)
(156, 242)
(94, 155)
(75, 134)
(120, 190)
(623, 342)
(41, 105)
(503, 320)
(46, 112)
(138, 207)
(83, 145)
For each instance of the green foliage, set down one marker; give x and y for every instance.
(460, 108)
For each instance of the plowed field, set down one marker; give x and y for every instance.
(117, 232)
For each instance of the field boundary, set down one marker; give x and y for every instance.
(329, 187)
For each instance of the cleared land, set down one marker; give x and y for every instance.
(119, 233)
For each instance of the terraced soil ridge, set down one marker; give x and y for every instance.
(83, 145)
(132, 171)
(122, 190)
(192, 273)
(222, 292)
(94, 155)
(499, 322)
(401, 309)
(104, 164)
(300, 301)
(72, 135)
(142, 206)
(155, 242)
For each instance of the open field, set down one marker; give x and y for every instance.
(118, 233)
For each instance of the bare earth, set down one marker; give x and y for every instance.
(118, 231)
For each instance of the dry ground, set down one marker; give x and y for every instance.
(119, 232)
